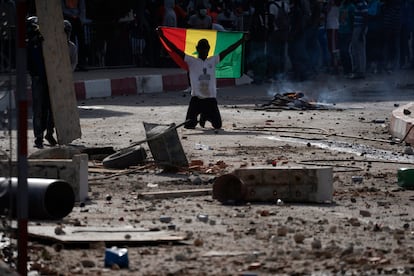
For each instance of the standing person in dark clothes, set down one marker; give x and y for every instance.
(42, 112)
(202, 71)
(392, 34)
(358, 41)
(346, 15)
(258, 33)
(75, 12)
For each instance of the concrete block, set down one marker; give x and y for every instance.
(401, 124)
(289, 184)
(74, 172)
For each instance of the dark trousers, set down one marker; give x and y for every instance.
(206, 108)
(42, 112)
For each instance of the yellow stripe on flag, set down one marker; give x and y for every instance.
(194, 35)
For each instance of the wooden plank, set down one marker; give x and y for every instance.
(124, 235)
(173, 194)
(59, 71)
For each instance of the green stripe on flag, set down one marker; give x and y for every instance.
(231, 66)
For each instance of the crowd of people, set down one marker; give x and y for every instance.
(302, 37)
(298, 38)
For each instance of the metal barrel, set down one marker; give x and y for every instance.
(47, 198)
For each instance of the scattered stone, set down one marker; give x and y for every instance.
(354, 222)
(165, 219)
(254, 266)
(316, 244)
(299, 237)
(348, 250)
(57, 247)
(198, 242)
(59, 230)
(180, 257)
(88, 263)
(408, 150)
(364, 213)
(282, 231)
(195, 180)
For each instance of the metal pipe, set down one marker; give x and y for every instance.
(47, 198)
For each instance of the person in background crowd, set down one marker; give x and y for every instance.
(407, 34)
(170, 18)
(392, 34)
(73, 50)
(277, 38)
(258, 33)
(375, 41)
(7, 35)
(227, 19)
(200, 20)
(358, 41)
(313, 45)
(299, 18)
(332, 26)
(74, 11)
(346, 14)
(42, 111)
(324, 57)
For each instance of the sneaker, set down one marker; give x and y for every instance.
(51, 140)
(38, 143)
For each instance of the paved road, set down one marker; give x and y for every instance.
(383, 92)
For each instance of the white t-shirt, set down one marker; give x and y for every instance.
(202, 76)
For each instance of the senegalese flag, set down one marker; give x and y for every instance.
(187, 39)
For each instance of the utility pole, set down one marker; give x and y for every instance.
(22, 187)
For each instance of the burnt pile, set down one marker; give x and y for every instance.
(291, 100)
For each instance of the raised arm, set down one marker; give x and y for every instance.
(170, 44)
(231, 48)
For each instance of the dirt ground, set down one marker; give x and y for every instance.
(368, 228)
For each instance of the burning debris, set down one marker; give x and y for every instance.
(293, 101)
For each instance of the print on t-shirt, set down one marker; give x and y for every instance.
(204, 80)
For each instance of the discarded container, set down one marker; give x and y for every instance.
(406, 178)
(165, 145)
(116, 256)
(287, 184)
(47, 198)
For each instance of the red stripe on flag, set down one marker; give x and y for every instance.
(178, 37)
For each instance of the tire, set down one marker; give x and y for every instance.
(124, 158)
